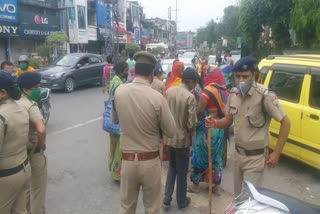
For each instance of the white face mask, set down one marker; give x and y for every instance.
(244, 87)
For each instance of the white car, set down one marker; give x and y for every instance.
(190, 55)
(166, 65)
(212, 60)
(236, 55)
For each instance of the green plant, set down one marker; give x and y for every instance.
(132, 48)
(158, 50)
(305, 18)
(43, 50)
(35, 62)
(56, 39)
(123, 53)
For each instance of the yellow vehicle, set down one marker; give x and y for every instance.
(296, 81)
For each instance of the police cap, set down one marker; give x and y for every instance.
(145, 58)
(29, 80)
(6, 80)
(247, 63)
(190, 74)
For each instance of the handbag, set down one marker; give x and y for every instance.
(107, 123)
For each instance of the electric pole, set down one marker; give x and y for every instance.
(176, 30)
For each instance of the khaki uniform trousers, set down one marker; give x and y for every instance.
(247, 168)
(144, 174)
(39, 175)
(14, 192)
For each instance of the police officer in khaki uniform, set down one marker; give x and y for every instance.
(251, 107)
(143, 114)
(15, 170)
(29, 85)
(157, 83)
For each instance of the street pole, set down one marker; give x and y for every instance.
(176, 30)
(115, 12)
(210, 172)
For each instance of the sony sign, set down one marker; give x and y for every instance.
(8, 11)
(7, 29)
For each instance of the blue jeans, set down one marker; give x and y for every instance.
(178, 168)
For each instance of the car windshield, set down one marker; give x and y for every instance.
(188, 66)
(68, 60)
(212, 60)
(165, 67)
(188, 54)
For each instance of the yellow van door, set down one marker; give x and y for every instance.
(310, 129)
(287, 83)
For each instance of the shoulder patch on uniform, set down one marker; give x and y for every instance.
(262, 90)
(275, 101)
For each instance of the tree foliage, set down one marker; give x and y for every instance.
(305, 19)
(229, 25)
(257, 15)
(132, 48)
(56, 39)
(227, 28)
(54, 43)
(158, 51)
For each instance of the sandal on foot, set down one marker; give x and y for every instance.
(192, 190)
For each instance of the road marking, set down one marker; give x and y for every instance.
(75, 126)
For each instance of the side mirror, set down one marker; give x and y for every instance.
(78, 66)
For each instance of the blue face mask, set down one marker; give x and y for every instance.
(23, 65)
(244, 87)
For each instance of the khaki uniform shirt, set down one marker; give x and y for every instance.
(34, 115)
(143, 115)
(249, 114)
(157, 85)
(14, 129)
(182, 104)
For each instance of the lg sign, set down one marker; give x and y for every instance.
(41, 20)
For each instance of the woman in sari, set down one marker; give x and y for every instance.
(175, 79)
(175, 76)
(214, 87)
(121, 73)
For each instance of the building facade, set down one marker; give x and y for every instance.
(186, 40)
(24, 24)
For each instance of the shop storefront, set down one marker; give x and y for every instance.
(8, 27)
(36, 24)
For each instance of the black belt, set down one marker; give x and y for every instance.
(14, 170)
(252, 152)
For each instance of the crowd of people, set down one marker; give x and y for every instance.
(179, 114)
(170, 120)
(23, 163)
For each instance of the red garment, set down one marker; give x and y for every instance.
(106, 71)
(213, 88)
(175, 76)
(214, 76)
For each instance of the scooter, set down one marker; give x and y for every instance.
(44, 104)
(262, 201)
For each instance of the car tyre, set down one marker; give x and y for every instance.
(69, 85)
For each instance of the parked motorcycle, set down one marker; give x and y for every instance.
(44, 104)
(262, 201)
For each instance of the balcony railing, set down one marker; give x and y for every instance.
(92, 33)
(41, 3)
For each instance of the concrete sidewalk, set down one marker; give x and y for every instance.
(200, 201)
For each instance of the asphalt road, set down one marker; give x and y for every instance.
(79, 182)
